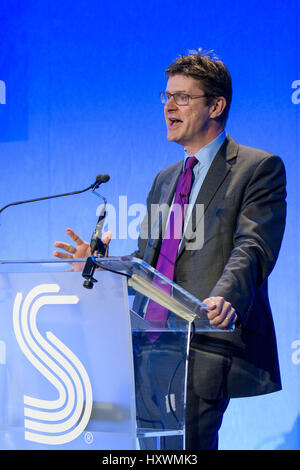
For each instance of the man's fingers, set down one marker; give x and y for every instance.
(81, 249)
(106, 238)
(65, 246)
(229, 320)
(221, 313)
(61, 255)
(224, 320)
(76, 238)
(216, 305)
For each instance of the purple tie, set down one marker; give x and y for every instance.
(156, 314)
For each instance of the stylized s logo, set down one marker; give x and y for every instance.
(51, 421)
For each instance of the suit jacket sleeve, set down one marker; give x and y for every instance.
(257, 236)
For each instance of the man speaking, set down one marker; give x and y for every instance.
(242, 190)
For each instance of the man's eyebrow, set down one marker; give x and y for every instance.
(177, 91)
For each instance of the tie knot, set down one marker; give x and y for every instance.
(191, 162)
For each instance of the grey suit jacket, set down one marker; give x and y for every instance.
(244, 217)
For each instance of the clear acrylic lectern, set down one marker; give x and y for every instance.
(78, 368)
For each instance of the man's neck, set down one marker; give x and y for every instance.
(209, 137)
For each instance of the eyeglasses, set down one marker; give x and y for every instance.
(181, 99)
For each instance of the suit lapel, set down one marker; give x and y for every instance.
(217, 173)
(169, 184)
(214, 179)
(166, 192)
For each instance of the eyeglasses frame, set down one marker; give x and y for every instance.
(172, 95)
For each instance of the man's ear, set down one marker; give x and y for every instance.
(217, 107)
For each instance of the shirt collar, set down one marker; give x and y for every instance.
(207, 153)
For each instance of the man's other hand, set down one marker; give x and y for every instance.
(80, 249)
(222, 314)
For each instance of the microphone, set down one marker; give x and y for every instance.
(99, 180)
(102, 179)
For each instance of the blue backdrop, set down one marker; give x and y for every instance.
(79, 96)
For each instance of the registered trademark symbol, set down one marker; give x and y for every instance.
(88, 437)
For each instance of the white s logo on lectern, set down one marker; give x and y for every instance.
(51, 421)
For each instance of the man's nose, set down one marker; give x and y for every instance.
(170, 104)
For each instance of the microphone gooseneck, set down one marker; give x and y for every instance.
(99, 180)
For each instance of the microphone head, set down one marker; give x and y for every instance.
(102, 178)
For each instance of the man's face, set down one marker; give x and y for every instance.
(187, 125)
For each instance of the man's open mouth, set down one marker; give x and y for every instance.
(173, 121)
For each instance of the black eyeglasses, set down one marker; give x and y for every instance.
(181, 99)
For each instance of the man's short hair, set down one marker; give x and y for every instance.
(210, 71)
